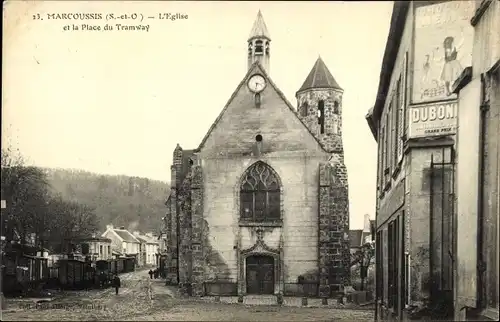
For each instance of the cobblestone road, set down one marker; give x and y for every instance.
(142, 299)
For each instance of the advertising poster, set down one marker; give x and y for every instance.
(442, 48)
(433, 120)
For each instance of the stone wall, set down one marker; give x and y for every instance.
(198, 276)
(333, 226)
(307, 108)
(185, 236)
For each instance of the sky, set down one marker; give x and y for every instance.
(118, 102)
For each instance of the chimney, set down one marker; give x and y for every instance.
(122, 227)
(110, 226)
(366, 225)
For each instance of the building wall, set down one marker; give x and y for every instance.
(299, 175)
(295, 156)
(407, 215)
(478, 191)
(393, 164)
(116, 242)
(426, 212)
(291, 151)
(151, 250)
(95, 248)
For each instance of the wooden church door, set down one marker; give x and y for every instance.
(260, 274)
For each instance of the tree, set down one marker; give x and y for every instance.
(25, 190)
(363, 258)
(31, 208)
(70, 221)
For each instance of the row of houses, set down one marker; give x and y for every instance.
(120, 241)
(436, 120)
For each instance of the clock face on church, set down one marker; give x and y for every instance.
(256, 83)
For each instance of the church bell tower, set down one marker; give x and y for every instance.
(319, 105)
(259, 43)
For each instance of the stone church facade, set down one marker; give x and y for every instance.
(261, 206)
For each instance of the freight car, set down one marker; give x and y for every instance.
(105, 269)
(22, 273)
(103, 272)
(122, 265)
(75, 274)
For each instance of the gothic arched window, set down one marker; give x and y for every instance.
(259, 47)
(336, 107)
(260, 194)
(250, 47)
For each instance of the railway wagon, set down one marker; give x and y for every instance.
(129, 264)
(103, 272)
(74, 274)
(22, 273)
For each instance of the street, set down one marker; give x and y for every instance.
(141, 298)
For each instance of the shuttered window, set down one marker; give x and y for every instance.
(401, 110)
(387, 144)
(403, 98)
(380, 161)
(394, 128)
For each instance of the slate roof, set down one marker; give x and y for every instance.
(259, 29)
(319, 77)
(142, 240)
(101, 239)
(146, 239)
(126, 235)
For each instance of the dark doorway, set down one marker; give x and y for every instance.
(260, 274)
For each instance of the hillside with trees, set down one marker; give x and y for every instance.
(36, 216)
(133, 202)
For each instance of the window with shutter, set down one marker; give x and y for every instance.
(387, 142)
(401, 110)
(394, 130)
(395, 118)
(403, 97)
(382, 155)
(380, 167)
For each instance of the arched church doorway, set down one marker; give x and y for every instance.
(260, 274)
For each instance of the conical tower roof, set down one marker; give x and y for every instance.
(259, 29)
(319, 77)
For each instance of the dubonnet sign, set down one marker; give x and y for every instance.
(433, 120)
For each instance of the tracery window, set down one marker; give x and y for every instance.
(260, 194)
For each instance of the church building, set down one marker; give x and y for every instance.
(261, 205)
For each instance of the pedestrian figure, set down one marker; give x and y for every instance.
(150, 274)
(116, 283)
(156, 273)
